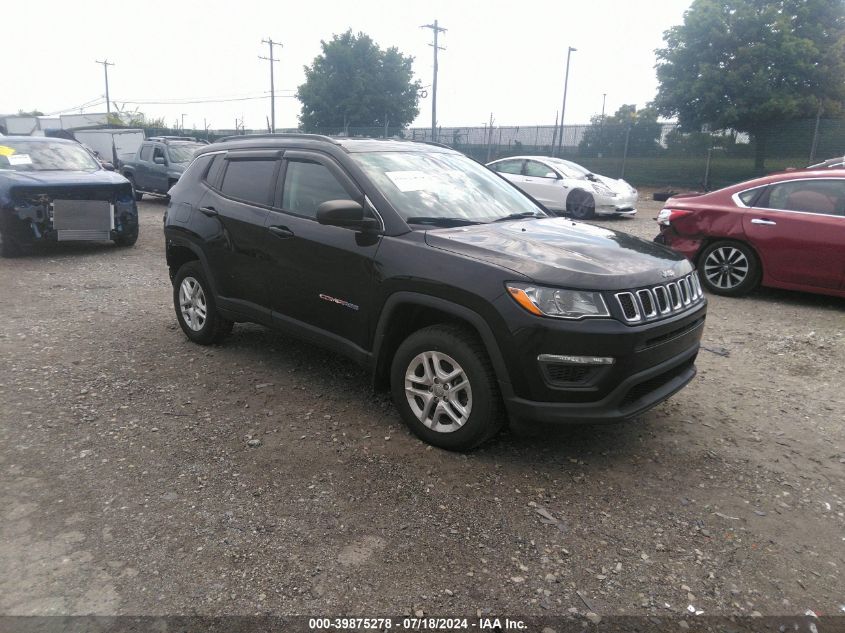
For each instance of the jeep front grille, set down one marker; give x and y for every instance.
(660, 301)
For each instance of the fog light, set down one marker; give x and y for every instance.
(576, 360)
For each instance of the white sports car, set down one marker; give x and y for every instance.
(566, 187)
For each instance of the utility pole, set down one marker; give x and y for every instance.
(269, 41)
(436, 30)
(106, 63)
(563, 107)
(183, 122)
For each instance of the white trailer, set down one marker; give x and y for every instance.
(13, 125)
(76, 121)
(113, 145)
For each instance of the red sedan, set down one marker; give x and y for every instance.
(785, 231)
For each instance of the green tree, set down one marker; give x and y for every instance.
(354, 83)
(608, 137)
(749, 64)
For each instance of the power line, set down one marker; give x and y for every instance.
(272, 61)
(106, 63)
(436, 30)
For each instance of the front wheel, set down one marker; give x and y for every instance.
(580, 205)
(195, 306)
(127, 240)
(445, 388)
(728, 268)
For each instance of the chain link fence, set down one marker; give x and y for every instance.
(646, 153)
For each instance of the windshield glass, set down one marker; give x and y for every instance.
(573, 170)
(182, 153)
(45, 156)
(441, 185)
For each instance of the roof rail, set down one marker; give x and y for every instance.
(165, 139)
(313, 137)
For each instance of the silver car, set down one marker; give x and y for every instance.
(566, 187)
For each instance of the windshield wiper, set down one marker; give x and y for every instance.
(520, 216)
(436, 221)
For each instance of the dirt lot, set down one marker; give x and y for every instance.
(127, 485)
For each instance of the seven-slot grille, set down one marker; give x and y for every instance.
(662, 300)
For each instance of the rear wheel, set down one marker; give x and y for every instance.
(580, 205)
(195, 306)
(729, 268)
(445, 388)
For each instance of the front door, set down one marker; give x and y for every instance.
(798, 228)
(320, 276)
(543, 183)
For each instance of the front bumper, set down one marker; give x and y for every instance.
(651, 361)
(623, 204)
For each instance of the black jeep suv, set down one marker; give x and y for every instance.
(458, 291)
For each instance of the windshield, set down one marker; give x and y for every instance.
(443, 186)
(45, 156)
(573, 170)
(182, 153)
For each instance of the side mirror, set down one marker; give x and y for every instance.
(345, 213)
(108, 166)
(159, 160)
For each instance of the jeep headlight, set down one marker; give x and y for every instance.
(558, 303)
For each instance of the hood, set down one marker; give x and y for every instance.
(560, 252)
(618, 186)
(100, 177)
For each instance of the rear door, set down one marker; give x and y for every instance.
(542, 182)
(798, 227)
(320, 276)
(238, 204)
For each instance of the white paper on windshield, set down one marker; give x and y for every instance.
(411, 180)
(19, 159)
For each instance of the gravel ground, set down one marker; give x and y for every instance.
(142, 474)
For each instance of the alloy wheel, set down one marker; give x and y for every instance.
(438, 391)
(192, 303)
(726, 267)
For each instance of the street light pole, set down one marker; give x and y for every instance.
(563, 107)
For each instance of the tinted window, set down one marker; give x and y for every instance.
(307, 186)
(146, 152)
(810, 196)
(747, 197)
(249, 180)
(538, 170)
(158, 152)
(198, 168)
(212, 176)
(509, 167)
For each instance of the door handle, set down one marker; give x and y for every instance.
(280, 231)
(209, 211)
(763, 221)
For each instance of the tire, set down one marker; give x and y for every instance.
(197, 294)
(125, 241)
(729, 268)
(138, 195)
(580, 205)
(455, 419)
(9, 247)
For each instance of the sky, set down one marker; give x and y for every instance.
(503, 58)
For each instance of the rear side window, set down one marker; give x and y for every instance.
(307, 186)
(146, 152)
(508, 167)
(810, 196)
(158, 153)
(196, 170)
(249, 180)
(747, 197)
(212, 176)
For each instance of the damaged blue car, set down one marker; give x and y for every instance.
(54, 190)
